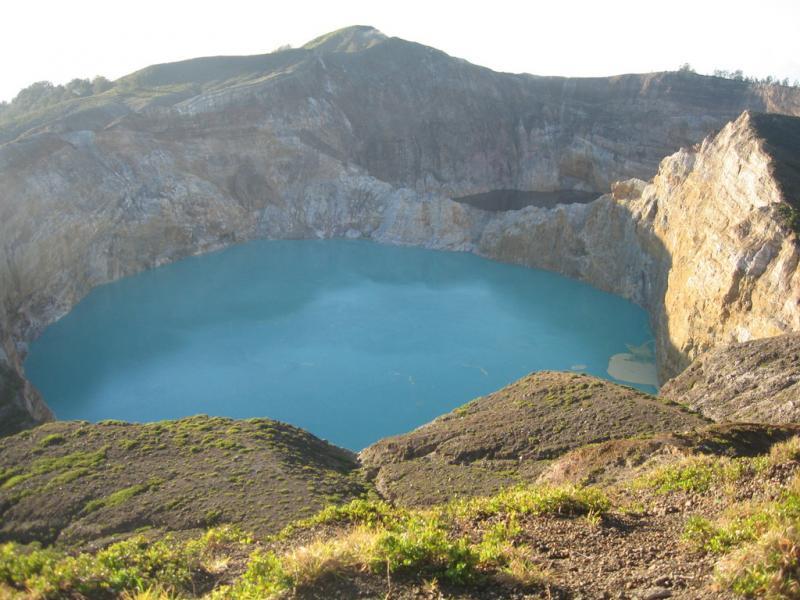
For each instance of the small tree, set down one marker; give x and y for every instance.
(79, 87)
(100, 84)
(686, 68)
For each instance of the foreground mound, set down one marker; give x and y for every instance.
(510, 435)
(72, 482)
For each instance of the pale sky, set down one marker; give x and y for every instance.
(58, 40)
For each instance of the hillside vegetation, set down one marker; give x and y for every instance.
(557, 486)
(71, 483)
(697, 526)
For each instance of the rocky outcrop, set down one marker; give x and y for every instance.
(21, 406)
(359, 135)
(510, 435)
(729, 260)
(623, 460)
(757, 380)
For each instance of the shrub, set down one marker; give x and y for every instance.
(422, 546)
(121, 496)
(790, 217)
(497, 540)
(51, 440)
(46, 465)
(264, 577)
(719, 539)
(759, 544)
(375, 537)
(769, 567)
(536, 500)
(744, 523)
(370, 513)
(692, 474)
(784, 452)
(132, 565)
(24, 567)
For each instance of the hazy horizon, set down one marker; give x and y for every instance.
(58, 42)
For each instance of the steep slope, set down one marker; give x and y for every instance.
(757, 380)
(702, 514)
(20, 404)
(358, 135)
(622, 460)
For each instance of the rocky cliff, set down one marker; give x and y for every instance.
(361, 135)
(708, 247)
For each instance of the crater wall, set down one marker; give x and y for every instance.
(373, 141)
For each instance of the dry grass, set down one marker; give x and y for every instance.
(151, 593)
(520, 571)
(345, 552)
(769, 567)
(784, 452)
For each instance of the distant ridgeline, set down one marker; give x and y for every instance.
(43, 94)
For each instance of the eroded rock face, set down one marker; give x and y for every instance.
(755, 381)
(21, 405)
(358, 135)
(713, 216)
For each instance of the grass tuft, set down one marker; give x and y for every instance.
(768, 568)
(121, 496)
(692, 474)
(784, 452)
(47, 465)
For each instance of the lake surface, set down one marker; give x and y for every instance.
(351, 340)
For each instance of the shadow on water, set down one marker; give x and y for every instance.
(502, 200)
(621, 254)
(647, 272)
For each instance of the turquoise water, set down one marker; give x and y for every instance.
(351, 340)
